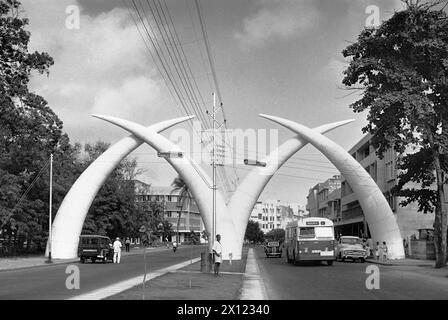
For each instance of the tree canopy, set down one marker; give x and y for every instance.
(401, 67)
(253, 232)
(30, 131)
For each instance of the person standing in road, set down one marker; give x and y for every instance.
(381, 252)
(384, 255)
(377, 251)
(174, 245)
(127, 243)
(217, 252)
(117, 250)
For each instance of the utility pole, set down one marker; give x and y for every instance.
(50, 215)
(214, 164)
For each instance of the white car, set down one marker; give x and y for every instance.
(350, 247)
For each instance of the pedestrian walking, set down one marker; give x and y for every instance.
(217, 253)
(174, 246)
(385, 249)
(377, 251)
(127, 243)
(367, 250)
(117, 250)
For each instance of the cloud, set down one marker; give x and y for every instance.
(132, 96)
(333, 70)
(277, 20)
(102, 67)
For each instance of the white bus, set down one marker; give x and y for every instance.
(310, 239)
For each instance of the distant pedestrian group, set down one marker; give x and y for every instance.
(381, 251)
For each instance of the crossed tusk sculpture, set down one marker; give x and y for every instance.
(231, 219)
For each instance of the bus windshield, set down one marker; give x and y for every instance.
(316, 232)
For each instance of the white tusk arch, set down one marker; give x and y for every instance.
(191, 173)
(377, 211)
(69, 220)
(250, 189)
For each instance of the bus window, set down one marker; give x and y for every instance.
(307, 232)
(324, 232)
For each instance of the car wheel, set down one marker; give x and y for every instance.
(93, 260)
(330, 262)
(363, 260)
(83, 260)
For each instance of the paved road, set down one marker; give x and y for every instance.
(345, 280)
(49, 282)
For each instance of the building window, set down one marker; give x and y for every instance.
(390, 174)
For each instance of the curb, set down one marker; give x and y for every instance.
(390, 264)
(45, 265)
(253, 285)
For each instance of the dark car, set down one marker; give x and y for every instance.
(95, 247)
(273, 249)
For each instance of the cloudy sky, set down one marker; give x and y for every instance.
(280, 57)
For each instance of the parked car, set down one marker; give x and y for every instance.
(350, 247)
(273, 249)
(95, 247)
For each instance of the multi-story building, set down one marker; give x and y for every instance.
(342, 206)
(190, 219)
(323, 199)
(275, 214)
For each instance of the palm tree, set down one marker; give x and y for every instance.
(182, 189)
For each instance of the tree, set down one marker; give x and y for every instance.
(114, 211)
(402, 68)
(29, 132)
(276, 235)
(182, 189)
(194, 237)
(253, 232)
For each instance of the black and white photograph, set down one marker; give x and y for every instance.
(224, 156)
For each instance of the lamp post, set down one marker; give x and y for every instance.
(50, 213)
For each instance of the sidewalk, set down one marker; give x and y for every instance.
(8, 264)
(403, 262)
(425, 267)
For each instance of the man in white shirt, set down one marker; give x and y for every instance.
(217, 251)
(117, 250)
